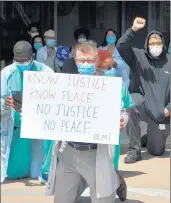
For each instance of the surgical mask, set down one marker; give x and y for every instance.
(60, 63)
(23, 66)
(111, 40)
(87, 68)
(168, 51)
(82, 40)
(33, 34)
(155, 50)
(38, 45)
(51, 42)
(110, 73)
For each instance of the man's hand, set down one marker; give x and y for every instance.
(138, 24)
(122, 123)
(8, 102)
(166, 112)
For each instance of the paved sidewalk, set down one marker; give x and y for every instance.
(147, 180)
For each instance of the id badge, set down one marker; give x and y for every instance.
(162, 127)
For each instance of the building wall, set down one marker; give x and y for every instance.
(67, 24)
(137, 9)
(111, 15)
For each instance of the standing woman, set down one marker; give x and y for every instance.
(32, 32)
(37, 43)
(80, 35)
(109, 45)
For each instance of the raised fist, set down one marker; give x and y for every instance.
(138, 24)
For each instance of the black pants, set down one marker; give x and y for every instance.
(156, 138)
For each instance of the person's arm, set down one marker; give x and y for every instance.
(40, 56)
(46, 68)
(167, 110)
(127, 103)
(125, 76)
(124, 45)
(123, 119)
(123, 71)
(126, 98)
(4, 91)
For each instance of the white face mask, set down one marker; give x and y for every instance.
(155, 50)
(33, 34)
(82, 40)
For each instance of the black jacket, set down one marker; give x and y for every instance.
(70, 66)
(151, 75)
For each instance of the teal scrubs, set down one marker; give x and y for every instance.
(20, 157)
(20, 154)
(47, 148)
(127, 103)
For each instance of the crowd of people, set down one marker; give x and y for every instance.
(67, 168)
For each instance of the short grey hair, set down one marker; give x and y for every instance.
(85, 47)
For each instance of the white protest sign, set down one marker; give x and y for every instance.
(71, 107)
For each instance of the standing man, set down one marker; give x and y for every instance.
(151, 70)
(47, 54)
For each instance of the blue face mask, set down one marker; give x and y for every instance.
(86, 68)
(51, 42)
(111, 40)
(110, 73)
(23, 67)
(60, 63)
(38, 45)
(168, 51)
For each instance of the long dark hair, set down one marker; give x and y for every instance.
(32, 43)
(104, 42)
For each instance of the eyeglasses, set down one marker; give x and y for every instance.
(81, 60)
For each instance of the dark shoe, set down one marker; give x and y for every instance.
(122, 190)
(132, 156)
(144, 141)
